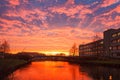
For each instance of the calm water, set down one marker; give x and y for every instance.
(51, 70)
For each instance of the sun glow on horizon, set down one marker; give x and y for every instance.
(46, 52)
(55, 53)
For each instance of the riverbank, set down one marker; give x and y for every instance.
(105, 61)
(112, 62)
(7, 66)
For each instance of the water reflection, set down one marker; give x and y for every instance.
(102, 72)
(50, 70)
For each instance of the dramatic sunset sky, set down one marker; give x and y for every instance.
(54, 25)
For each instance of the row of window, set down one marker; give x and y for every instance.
(91, 45)
(116, 34)
(115, 48)
(92, 53)
(116, 41)
(92, 48)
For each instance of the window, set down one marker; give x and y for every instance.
(118, 47)
(114, 48)
(118, 40)
(101, 42)
(110, 48)
(118, 33)
(114, 35)
(114, 41)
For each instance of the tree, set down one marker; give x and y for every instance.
(4, 47)
(73, 50)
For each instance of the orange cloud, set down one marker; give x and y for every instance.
(47, 40)
(14, 2)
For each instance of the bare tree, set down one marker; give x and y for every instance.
(74, 50)
(4, 47)
(1, 46)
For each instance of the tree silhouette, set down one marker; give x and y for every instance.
(4, 47)
(73, 50)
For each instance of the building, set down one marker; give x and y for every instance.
(108, 46)
(92, 49)
(112, 42)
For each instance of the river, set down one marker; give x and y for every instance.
(58, 70)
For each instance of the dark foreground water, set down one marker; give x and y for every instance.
(57, 70)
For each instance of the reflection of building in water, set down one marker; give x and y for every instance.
(108, 46)
(78, 74)
(102, 73)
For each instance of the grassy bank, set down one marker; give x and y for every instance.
(9, 65)
(104, 62)
(96, 61)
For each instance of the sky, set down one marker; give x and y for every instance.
(53, 26)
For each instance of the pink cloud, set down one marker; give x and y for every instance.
(58, 38)
(64, 36)
(14, 2)
(42, 42)
(9, 23)
(23, 13)
(106, 20)
(70, 2)
(68, 11)
(109, 21)
(117, 9)
(109, 2)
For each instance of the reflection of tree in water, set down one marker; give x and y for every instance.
(73, 71)
(83, 73)
(102, 73)
(76, 74)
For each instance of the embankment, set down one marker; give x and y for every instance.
(7, 66)
(112, 62)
